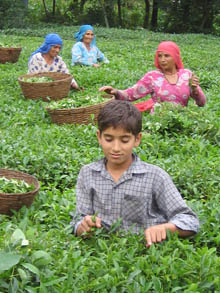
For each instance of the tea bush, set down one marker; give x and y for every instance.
(38, 251)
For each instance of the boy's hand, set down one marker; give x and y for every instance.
(87, 224)
(158, 233)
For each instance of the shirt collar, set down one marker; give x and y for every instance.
(136, 167)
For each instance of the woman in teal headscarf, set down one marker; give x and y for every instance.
(85, 51)
(46, 58)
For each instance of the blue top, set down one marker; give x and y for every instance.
(81, 55)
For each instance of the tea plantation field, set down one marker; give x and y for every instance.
(38, 252)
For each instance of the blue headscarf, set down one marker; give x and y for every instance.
(50, 40)
(82, 30)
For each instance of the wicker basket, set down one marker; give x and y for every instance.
(55, 90)
(81, 115)
(14, 201)
(9, 54)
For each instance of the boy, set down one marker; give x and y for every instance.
(123, 186)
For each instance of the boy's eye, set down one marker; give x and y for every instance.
(125, 140)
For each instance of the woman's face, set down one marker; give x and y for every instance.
(88, 37)
(54, 51)
(166, 62)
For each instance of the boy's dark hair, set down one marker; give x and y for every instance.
(120, 113)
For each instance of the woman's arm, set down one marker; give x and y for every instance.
(63, 68)
(196, 92)
(101, 57)
(142, 88)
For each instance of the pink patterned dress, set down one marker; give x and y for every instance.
(155, 84)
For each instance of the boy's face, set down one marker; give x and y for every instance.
(117, 145)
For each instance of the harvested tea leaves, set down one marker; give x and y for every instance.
(69, 103)
(5, 45)
(14, 186)
(38, 79)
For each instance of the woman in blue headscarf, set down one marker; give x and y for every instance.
(84, 51)
(46, 59)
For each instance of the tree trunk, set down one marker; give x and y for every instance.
(54, 7)
(82, 3)
(104, 13)
(45, 8)
(154, 14)
(147, 14)
(119, 13)
(207, 18)
(25, 3)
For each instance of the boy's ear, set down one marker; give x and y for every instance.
(138, 139)
(98, 133)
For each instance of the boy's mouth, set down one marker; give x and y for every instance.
(115, 156)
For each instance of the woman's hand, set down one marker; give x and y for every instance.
(96, 65)
(109, 90)
(194, 83)
(75, 86)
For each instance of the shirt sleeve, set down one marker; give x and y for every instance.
(62, 66)
(199, 98)
(34, 65)
(142, 88)
(172, 205)
(78, 57)
(101, 57)
(84, 201)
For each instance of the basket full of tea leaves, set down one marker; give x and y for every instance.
(45, 85)
(16, 189)
(9, 53)
(78, 111)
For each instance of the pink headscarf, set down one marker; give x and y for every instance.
(173, 50)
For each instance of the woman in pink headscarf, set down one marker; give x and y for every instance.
(169, 83)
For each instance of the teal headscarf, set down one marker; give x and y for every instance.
(82, 30)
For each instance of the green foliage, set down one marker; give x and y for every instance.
(12, 14)
(38, 252)
(189, 16)
(183, 16)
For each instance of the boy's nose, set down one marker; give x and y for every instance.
(116, 146)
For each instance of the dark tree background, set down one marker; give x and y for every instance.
(173, 16)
